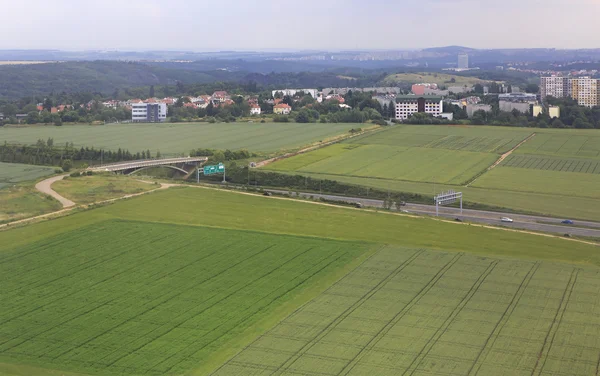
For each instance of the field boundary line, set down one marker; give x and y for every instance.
(598, 366)
(501, 159)
(347, 312)
(560, 312)
(450, 319)
(491, 340)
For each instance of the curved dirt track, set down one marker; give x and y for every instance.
(45, 186)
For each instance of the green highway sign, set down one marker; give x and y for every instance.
(215, 169)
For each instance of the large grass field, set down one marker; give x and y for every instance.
(175, 139)
(163, 285)
(555, 172)
(89, 189)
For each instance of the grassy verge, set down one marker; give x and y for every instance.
(23, 200)
(88, 189)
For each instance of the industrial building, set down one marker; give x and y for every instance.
(148, 112)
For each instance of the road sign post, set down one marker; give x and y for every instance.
(445, 198)
(212, 170)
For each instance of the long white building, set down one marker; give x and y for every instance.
(291, 92)
(148, 112)
(406, 105)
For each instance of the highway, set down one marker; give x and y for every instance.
(521, 222)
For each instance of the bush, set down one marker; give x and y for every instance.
(66, 165)
(58, 171)
(263, 121)
(89, 173)
(75, 174)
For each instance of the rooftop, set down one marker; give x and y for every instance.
(403, 98)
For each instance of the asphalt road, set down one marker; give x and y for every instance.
(522, 222)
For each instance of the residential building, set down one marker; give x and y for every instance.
(254, 109)
(555, 86)
(518, 97)
(585, 91)
(219, 97)
(148, 112)
(282, 109)
(537, 110)
(472, 108)
(1, 116)
(291, 92)
(554, 112)
(407, 105)
(463, 61)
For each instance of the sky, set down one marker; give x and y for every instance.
(208, 25)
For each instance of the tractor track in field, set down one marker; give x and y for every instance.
(501, 159)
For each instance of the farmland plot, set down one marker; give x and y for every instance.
(129, 298)
(573, 184)
(382, 161)
(548, 163)
(11, 173)
(568, 144)
(466, 138)
(417, 312)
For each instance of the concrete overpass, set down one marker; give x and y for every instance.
(132, 166)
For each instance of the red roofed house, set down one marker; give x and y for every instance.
(254, 109)
(282, 109)
(219, 97)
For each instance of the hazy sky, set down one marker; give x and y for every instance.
(305, 24)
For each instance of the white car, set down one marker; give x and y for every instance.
(506, 219)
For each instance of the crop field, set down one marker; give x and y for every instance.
(11, 173)
(547, 163)
(434, 154)
(568, 144)
(100, 292)
(574, 184)
(464, 138)
(382, 161)
(140, 298)
(175, 139)
(417, 312)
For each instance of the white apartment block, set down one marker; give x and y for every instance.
(555, 86)
(291, 92)
(148, 112)
(406, 105)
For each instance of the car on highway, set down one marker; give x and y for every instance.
(567, 222)
(506, 219)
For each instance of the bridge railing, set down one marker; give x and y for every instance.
(146, 163)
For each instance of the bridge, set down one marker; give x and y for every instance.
(133, 166)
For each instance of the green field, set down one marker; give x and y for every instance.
(573, 184)
(396, 163)
(148, 298)
(144, 287)
(176, 139)
(555, 172)
(433, 78)
(89, 189)
(407, 312)
(449, 155)
(11, 173)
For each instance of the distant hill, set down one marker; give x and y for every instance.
(90, 76)
(450, 50)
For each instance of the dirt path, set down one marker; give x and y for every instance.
(503, 157)
(45, 186)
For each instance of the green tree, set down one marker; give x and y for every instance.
(48, 104)
(151, 91)
(66, 165)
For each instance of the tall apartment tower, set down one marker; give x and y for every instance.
(555, 86)
(585, 91)
(463, 61)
